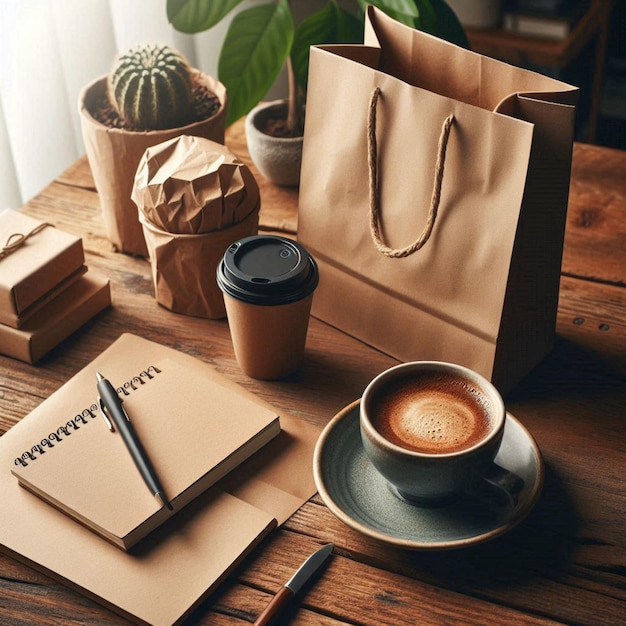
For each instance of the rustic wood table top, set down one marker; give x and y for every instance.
(564, 564)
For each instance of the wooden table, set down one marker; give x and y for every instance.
(523, 50)
(565, 564)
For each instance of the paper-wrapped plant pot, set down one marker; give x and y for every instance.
(114, 154)
(194, 198)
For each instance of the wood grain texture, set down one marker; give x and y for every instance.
(596, 221)
(565, 564)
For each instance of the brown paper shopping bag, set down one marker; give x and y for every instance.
(433, 195)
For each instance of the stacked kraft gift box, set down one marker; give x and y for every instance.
(46, 291)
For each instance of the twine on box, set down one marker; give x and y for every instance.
(374, 192)
(17, 240)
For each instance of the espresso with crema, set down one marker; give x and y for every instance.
(432, 413)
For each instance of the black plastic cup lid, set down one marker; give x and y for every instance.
(267, 270)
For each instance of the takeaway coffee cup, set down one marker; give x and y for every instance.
(268, 284)
(433, 430)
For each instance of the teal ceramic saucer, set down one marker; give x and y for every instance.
(359, 496)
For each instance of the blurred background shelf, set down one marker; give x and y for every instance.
(592, 57)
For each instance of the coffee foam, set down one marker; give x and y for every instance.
(436, 414)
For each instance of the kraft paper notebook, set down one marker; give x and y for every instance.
(167, 575)
(194, 430)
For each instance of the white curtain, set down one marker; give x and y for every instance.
(49, 49)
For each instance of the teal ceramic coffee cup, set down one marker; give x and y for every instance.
(433, 430)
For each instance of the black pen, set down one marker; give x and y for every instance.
(116, 418)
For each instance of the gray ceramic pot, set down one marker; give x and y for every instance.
(277, 158)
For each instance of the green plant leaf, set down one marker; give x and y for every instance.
(331, 24)
(195, 16)
(254, 51)
(448, 26)
(427, 20)
(403, 11)
(404, 7)
(431, 16)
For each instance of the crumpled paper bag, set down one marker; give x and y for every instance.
(191, 185)
(194, 199)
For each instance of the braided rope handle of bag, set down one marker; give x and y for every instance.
(374, 193)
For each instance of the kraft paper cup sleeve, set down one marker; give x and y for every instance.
(191, 185)
(184, 266)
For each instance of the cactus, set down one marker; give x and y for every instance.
(151, 88)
